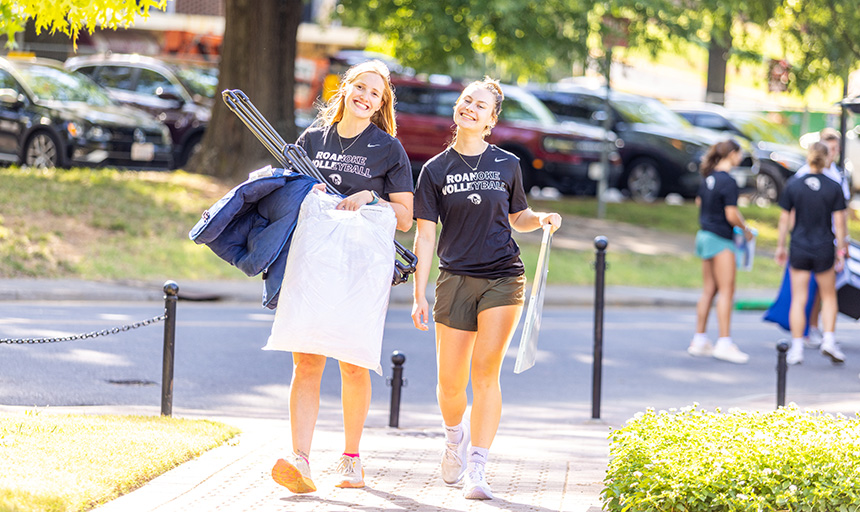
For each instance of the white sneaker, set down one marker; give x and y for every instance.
(475, 486)
(728, 351)
(704, 349)
(794, 354)
(832, 351)
(454, 458)
(350, 474)
(814, 339)
(295, 474)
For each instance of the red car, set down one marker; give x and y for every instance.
(551, 155)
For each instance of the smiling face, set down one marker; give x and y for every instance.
(363, 97)
(475, 110)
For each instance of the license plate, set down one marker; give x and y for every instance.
(142, 151)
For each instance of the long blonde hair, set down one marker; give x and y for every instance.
(332, 112)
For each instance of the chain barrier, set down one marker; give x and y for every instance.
(93, 334)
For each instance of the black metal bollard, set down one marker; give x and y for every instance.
(171, 293)
(781, 370)
(600, 244)
(396, 382)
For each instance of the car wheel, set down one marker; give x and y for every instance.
(42, 150)
(768, 186)
(643, 180)
(192, 148)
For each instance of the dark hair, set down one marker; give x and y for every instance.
(716, 153)
(817, 157)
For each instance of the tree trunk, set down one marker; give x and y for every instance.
(718, 57)
(258, 56)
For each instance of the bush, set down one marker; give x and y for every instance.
(694, 460)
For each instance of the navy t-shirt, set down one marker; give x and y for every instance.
(473, 207)
(717, 190)
(372, 160)
(814, 198)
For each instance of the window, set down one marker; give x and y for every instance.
(574, 107)
(445, 101)
(116, 77)
(7, 82)
(414, 100)
(712, 121)
(154, 83)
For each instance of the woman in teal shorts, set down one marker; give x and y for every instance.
(718, 214)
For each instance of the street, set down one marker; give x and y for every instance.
(221, 370)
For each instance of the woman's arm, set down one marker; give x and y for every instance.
(781, 254)
(425, 244)
(527, 220)
(733, 215)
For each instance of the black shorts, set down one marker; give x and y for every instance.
(814, 260)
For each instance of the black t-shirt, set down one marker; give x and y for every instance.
(373, 160)
(814, 198)
(473, 207)
(717, 190)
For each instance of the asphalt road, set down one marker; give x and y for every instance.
(220, 368)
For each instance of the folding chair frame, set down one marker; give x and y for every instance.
(294, 157)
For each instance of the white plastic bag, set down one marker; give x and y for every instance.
(337, 282)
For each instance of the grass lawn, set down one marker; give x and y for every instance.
(65, 463)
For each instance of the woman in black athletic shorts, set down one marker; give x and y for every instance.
(476, 190)
(817, 205)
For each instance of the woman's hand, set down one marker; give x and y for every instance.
(839, 264)
(420, 313)
(355, 201)
(780, 256)
(552, 219)
(320, 187)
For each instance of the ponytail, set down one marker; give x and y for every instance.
(716, 153)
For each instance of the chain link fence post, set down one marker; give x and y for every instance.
(171, 293)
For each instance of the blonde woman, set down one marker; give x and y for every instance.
(718, 215)
(475, 190)
(818, 206)
(352, 143)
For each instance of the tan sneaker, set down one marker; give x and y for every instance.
(350, 473)
(295, 475)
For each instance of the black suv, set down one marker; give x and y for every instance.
(51, 117)
(565, 157)
(778, 152)
(180, 94)
(660, 150)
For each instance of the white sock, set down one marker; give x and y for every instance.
(796, 343)
(700, 338)
(454, 434)
(829, 338)
(478, 455)
(727, 340)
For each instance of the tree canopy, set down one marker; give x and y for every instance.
(70, 16)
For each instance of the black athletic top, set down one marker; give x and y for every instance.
(473, 206)
(372, 160)
(814, 198)
(717, 191)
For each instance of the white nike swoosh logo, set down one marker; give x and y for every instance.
(500, 160)
(373, 145)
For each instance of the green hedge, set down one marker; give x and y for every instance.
(694, 460)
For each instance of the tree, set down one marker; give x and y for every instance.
(258, 56)
(70, 16)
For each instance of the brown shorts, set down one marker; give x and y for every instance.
(459, 299)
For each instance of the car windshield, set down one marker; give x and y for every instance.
(648, 111)
(199, 80)
(53, 84)
(756, 127)
(524, 106)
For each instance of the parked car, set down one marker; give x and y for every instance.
(660, 151)
(777, 150)
(51, 117)
(551, 155)
(180, 94)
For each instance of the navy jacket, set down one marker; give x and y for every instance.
(252, 225)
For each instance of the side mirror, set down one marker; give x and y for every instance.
(11, 98)
(170, 96)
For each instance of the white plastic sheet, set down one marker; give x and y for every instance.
(337, 282)
(527, 353)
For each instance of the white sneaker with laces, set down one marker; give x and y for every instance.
(728, 351)
(700, 349)
(475, 486)
(832, 351)
(794, 354)
(814, 339)
(350, 474)
(454, 458)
